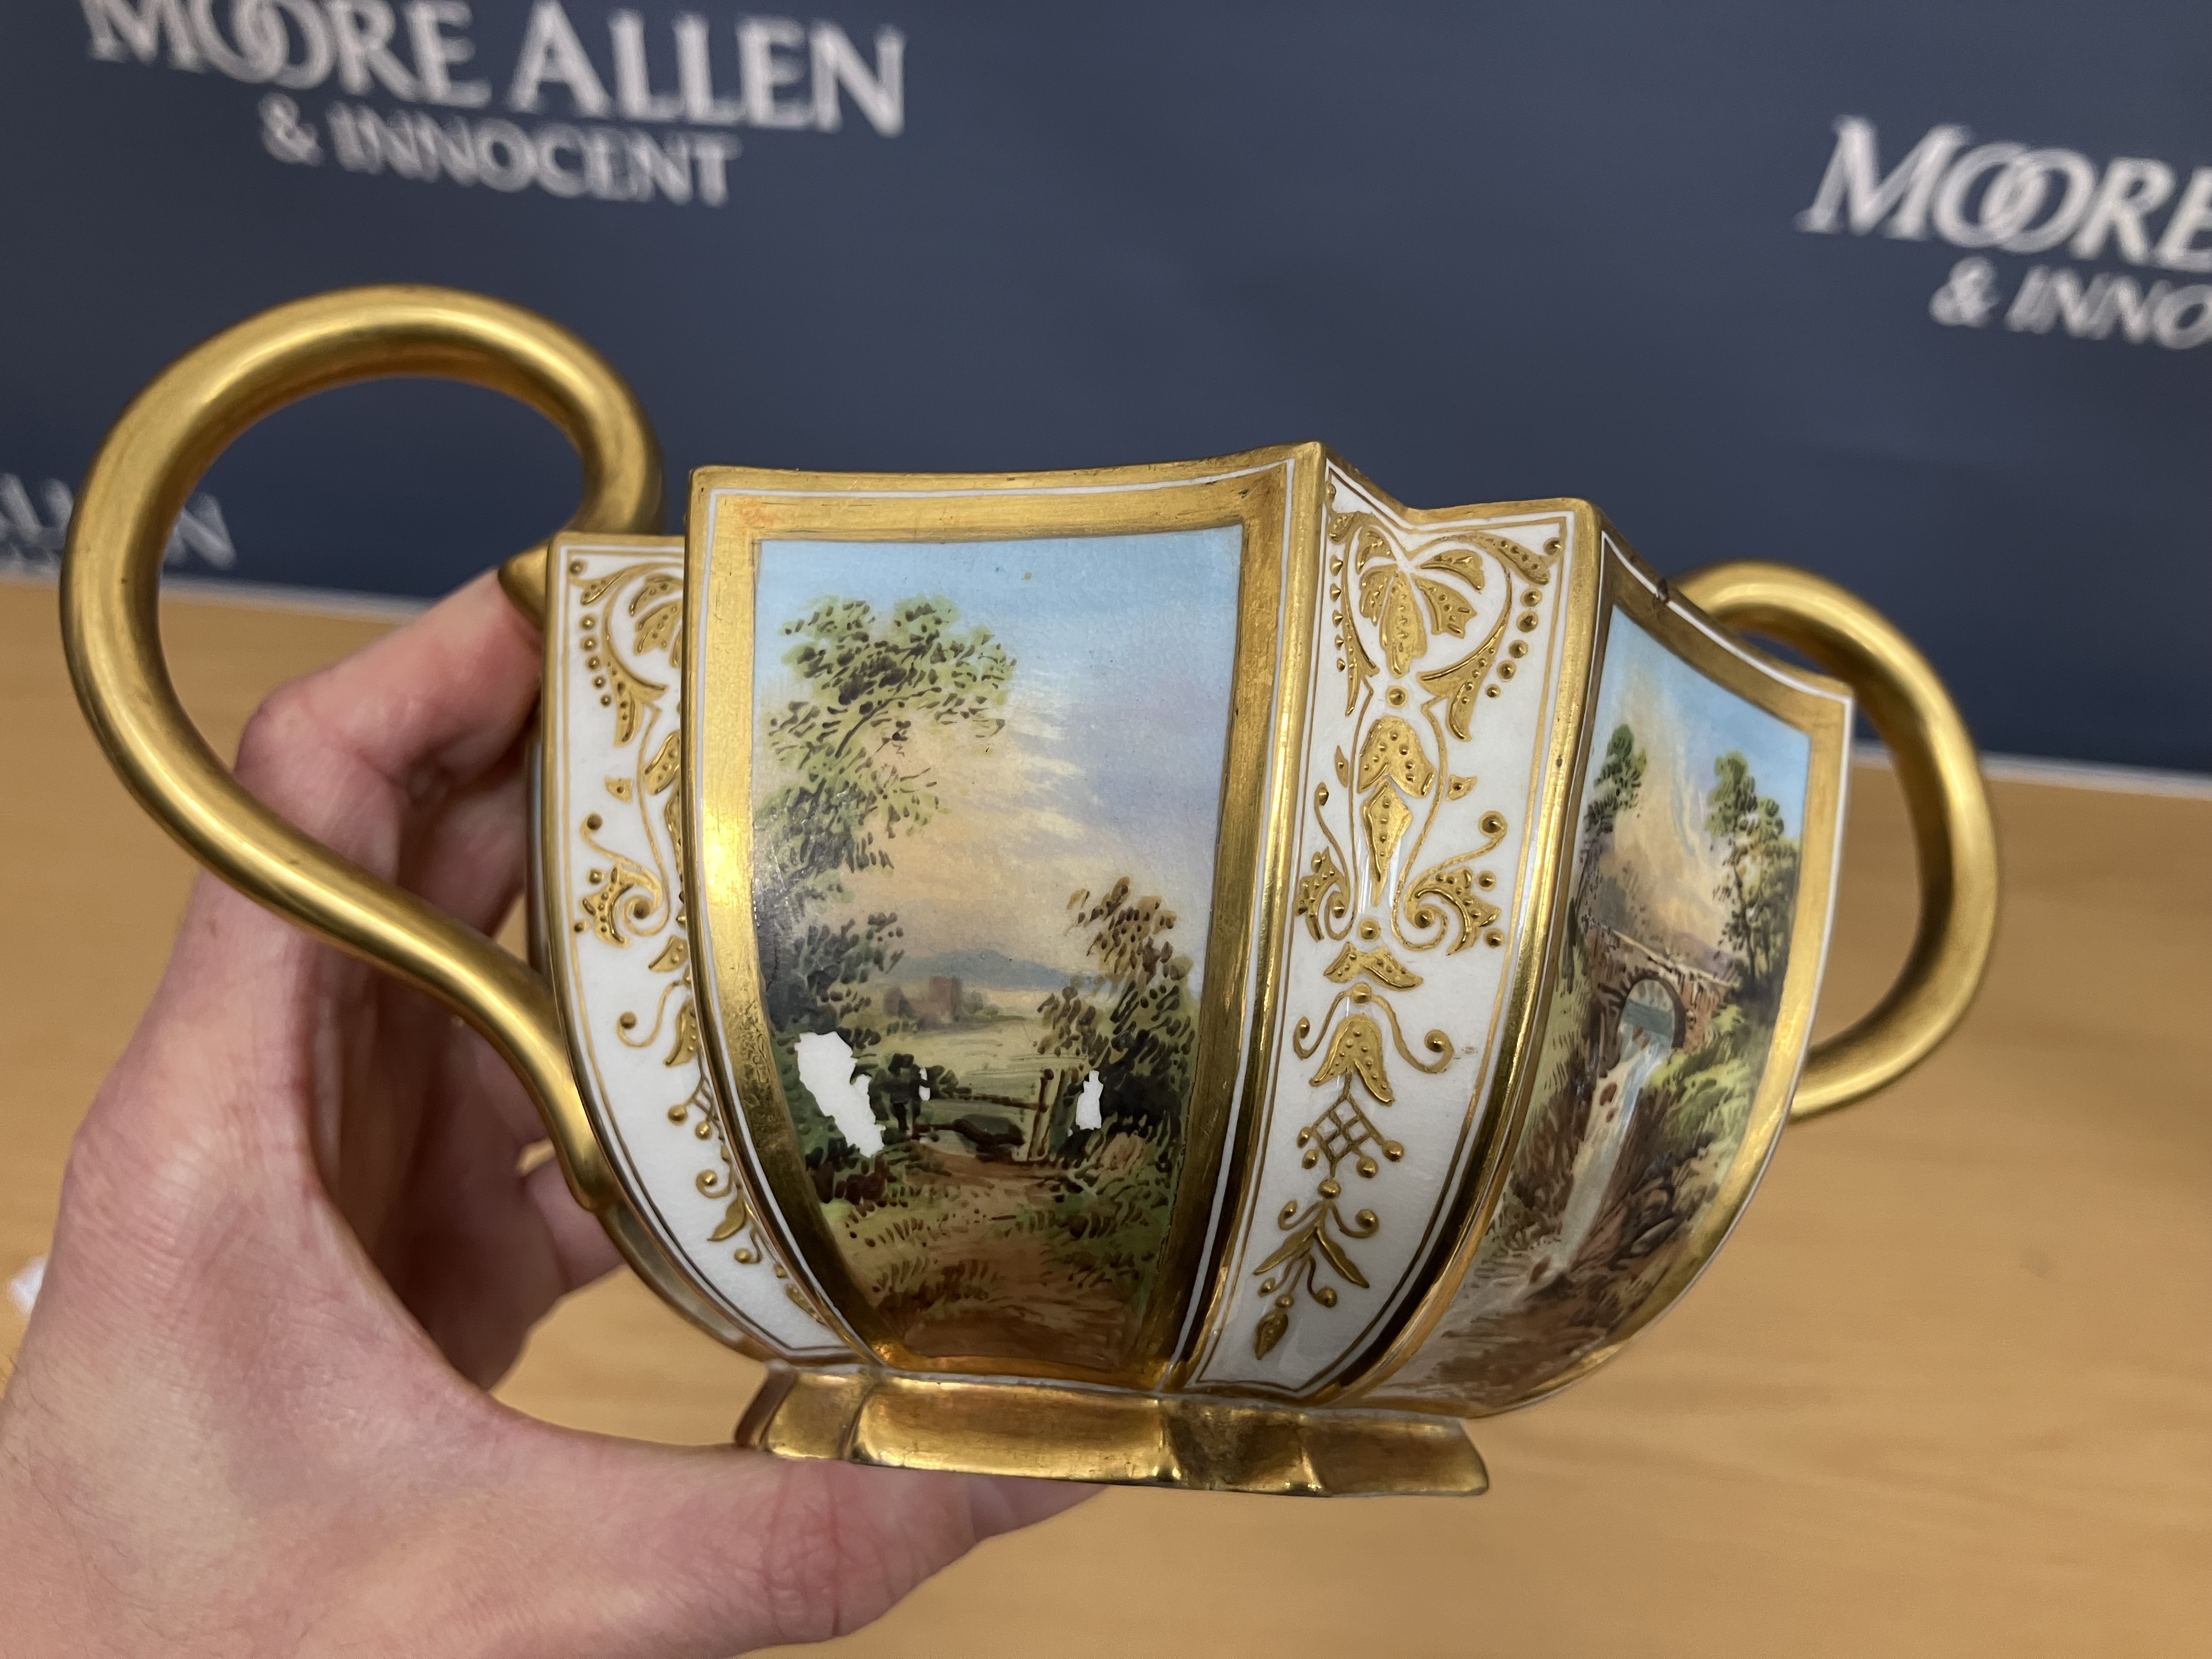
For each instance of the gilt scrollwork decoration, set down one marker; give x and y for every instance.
(633, 904)
(1375, 887)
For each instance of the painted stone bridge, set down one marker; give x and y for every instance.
(1619, 963)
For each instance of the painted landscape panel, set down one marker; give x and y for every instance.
(1685, 886)
(987, 783)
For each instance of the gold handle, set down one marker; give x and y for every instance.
(1953, 833)
(111, 629)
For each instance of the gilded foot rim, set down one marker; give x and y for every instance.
(1123, 1439)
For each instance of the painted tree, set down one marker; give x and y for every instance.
(858, 770)
(1134, 1020)
(812, 973)
(1613, 792)
(855, 751)
(1757, 886)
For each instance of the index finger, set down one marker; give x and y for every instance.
(448, 694)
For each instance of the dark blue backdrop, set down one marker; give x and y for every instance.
(1487, 252)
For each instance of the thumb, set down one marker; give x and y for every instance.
(615, 1548)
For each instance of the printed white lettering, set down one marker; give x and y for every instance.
(1853, 183)
(33, 544)
(2167, 314)
(436, 54)
(762, 73)
(551, 52)
(2109, 299)
(447, 145)
(25, 538)
(285, 136)
(552, 177)
(318, 53)
(200, 529)
(2029, 305)
(610, 164)
(262, 32)
(695, 76)
(2001, 195)
(2192, 217)
(351, 156)
(880, 93)
(634, 93)
(662, 166)
(506, 158)
(788, 76)
(1996, 220)
(2048, 297)
(2021, 199)
(2178, 318)
(599, 180)
(710, 152)
(363, 30)
(412, 144)
(1969, 295)
(118, 32)
(2025, 185)
(260, 51)
(2133, 187)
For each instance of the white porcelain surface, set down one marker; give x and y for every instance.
(1434, 1118)
(613, 874)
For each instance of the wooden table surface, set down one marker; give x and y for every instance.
(1947, 1392)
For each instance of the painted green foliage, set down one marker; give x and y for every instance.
(1615, 789)
(852, 783)
(1133, 1022)
(1759, 860)
(847, 748)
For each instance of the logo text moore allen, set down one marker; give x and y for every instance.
(2006, 198)
(651, 113)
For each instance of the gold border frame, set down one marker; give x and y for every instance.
(1814, 704)
(1274, 494)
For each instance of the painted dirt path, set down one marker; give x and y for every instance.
(996, 1292)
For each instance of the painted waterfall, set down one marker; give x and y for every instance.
(1685, 886)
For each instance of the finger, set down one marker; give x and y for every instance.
(199, 1134)
(469, 858)
(999, 1504)
(710, 1551)
(421, 712)
(451, 689)
(478, 1248)
(581, 1249)
(491, 1087)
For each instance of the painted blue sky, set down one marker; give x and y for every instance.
(1708, 719)
(1116, 722)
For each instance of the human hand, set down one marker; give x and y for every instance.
(295, 1247)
